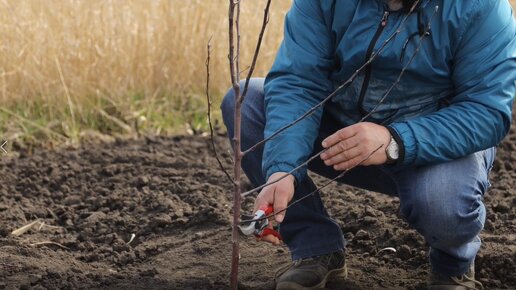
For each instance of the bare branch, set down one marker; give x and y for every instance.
(257, 50)
(285, 175)
(231, 54)
(208, 99)
(237, 52)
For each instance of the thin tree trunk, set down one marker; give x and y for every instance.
(234, 54)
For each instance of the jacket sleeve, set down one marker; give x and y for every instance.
(484, 77)
(298, 80)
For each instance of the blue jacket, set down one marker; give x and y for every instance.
(454, 99)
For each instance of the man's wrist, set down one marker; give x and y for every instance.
(284, 168)
(399, 142)
(278, 175)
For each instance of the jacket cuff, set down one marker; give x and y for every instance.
(285, 167)
(406, 140)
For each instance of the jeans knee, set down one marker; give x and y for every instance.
(228, 106)
(252, 109)
(254, 98)
(447, 224)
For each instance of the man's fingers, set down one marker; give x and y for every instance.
(338, 136)
(349, 164)
(343, 156)
(281, 200)
(340, 147)
(271, 239)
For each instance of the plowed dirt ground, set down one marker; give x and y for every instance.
(169, 193)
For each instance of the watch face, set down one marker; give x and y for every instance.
(393, 150)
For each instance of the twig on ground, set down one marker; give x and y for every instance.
(37, 223)
(46, 243)
(25, 228)
(51, 227)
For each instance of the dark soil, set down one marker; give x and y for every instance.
(171, 195)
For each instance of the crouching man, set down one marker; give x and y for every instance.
(439, 125)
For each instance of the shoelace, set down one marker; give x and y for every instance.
(465, 278)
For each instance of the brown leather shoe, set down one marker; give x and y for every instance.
(464, 282)
(311, 273)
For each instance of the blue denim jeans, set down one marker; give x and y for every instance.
(443, 202)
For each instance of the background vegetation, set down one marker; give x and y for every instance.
(70, 69)
(73, 68)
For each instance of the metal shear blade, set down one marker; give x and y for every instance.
(253, 227)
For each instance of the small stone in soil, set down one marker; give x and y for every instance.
(404, 252)
(161, 220)
(361, 235)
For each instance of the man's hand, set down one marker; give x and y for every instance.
(279, 195)
(351, 145)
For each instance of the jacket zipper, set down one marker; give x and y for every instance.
(368, 69)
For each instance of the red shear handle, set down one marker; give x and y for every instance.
(269, 231)
(267, 210)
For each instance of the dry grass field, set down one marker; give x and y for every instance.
(117, 66)
(106, 65)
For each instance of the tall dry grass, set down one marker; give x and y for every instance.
(116, 65)
(92, 63)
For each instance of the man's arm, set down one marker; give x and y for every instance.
(484, 76)
(298, 80)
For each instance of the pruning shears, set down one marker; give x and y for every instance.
(257, 224)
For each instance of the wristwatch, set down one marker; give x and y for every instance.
(392, 151)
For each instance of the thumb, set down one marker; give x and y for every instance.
(264, 199)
